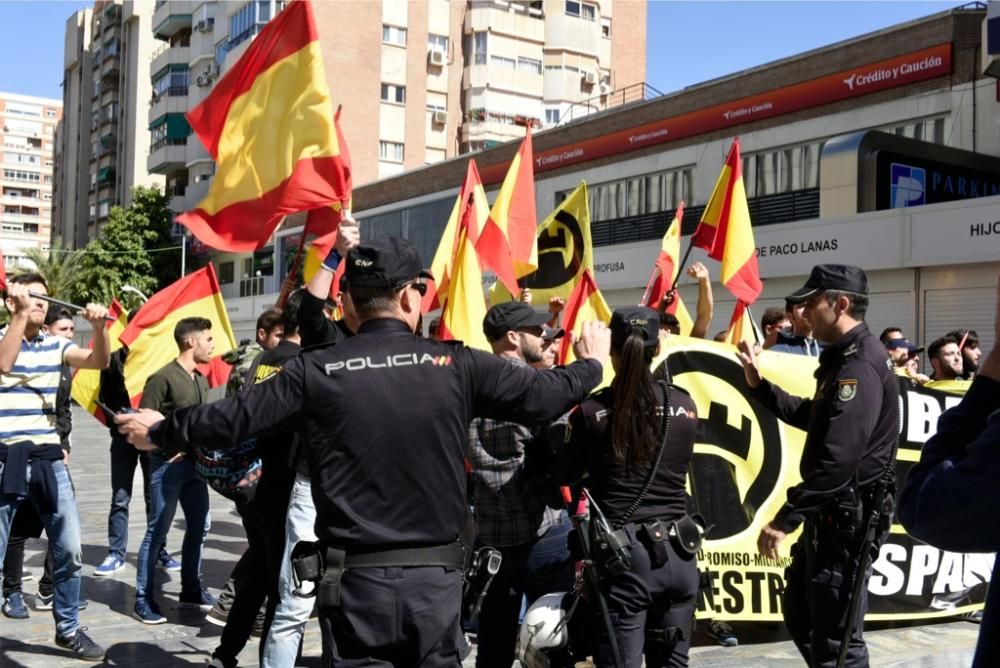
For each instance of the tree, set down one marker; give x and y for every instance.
(59, 267)
(134, 248)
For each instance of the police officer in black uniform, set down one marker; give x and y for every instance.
(386, 413)
(637, 477)
(852, 424)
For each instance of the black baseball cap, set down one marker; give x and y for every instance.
(552, 333)
(510, 317)
(911, 348)
(384, 263)
(841, 277)
(644, 320)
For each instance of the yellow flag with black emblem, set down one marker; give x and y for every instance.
(565, 252)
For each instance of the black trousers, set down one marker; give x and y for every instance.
(255, 576)
(649, 597)
(817, 598)
(27, 524)
(400, 617)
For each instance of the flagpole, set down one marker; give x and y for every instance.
(285, 286)
(67, 305)
(680, 269)
(753, 324)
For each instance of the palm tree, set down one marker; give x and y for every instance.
(58, 266)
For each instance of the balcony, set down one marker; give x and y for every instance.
(509, 18)
(168, 55)
(167, 155)
(110, 69)
(112, 14)
(175, 101)
(171, 17)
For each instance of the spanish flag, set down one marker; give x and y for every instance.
(725, 231)
(268, 124)
(741, 326)
(150, 335)
(327, 219)
(461, 219)
(464, 306)
(664, 275)
(565, 251)
(585, 303)
(87, 382)
(507, 244)
(3, 273)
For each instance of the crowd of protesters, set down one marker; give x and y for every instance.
(632, 442)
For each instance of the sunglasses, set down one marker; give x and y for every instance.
(419, 287)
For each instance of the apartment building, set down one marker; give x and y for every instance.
(104, 139)
(419, 82)
(27, 128)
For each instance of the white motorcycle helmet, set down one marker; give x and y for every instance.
(545, 626)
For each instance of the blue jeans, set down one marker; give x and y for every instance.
(292, 612)
(123, 461)
(168, 484)
(63, 529)
(531, 570)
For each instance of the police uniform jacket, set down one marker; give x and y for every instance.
(852, 422)
(589, 449)
(386, 415)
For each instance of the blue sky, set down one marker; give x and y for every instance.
(688, 42)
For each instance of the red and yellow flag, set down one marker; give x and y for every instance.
(565, 251)
(507, 244)
(87, 382)
(150, 335)
(585, 303)
(725, 231)
(3, 272)
(327, 219)
(464, 305)
(665, 272)
(468, 215)
(742, 326)
(268, 124)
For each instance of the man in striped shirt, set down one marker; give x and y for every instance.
(31, 459)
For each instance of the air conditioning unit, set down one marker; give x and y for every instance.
(605, 89)
(203, 80)
(440, 118)
(436, 57)
(589, 78)
(200, 26)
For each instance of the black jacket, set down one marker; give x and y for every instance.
(588, 449)
(385, 414)
(113, 392)
(950, 495)
(314, 327)
(852, 422)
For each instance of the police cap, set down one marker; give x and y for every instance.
(384, 263)
(510, 317)
(640, 319)
(840, 277)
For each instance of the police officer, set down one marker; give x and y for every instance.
(637, 459)
(852, 423)
(385, 413)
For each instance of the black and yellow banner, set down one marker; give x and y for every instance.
(745, 459)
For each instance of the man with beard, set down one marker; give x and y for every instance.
(510, 504)
(968, 345)
(946, 358)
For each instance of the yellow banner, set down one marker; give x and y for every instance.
(745, 460)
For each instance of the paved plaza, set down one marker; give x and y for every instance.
(186, 639)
